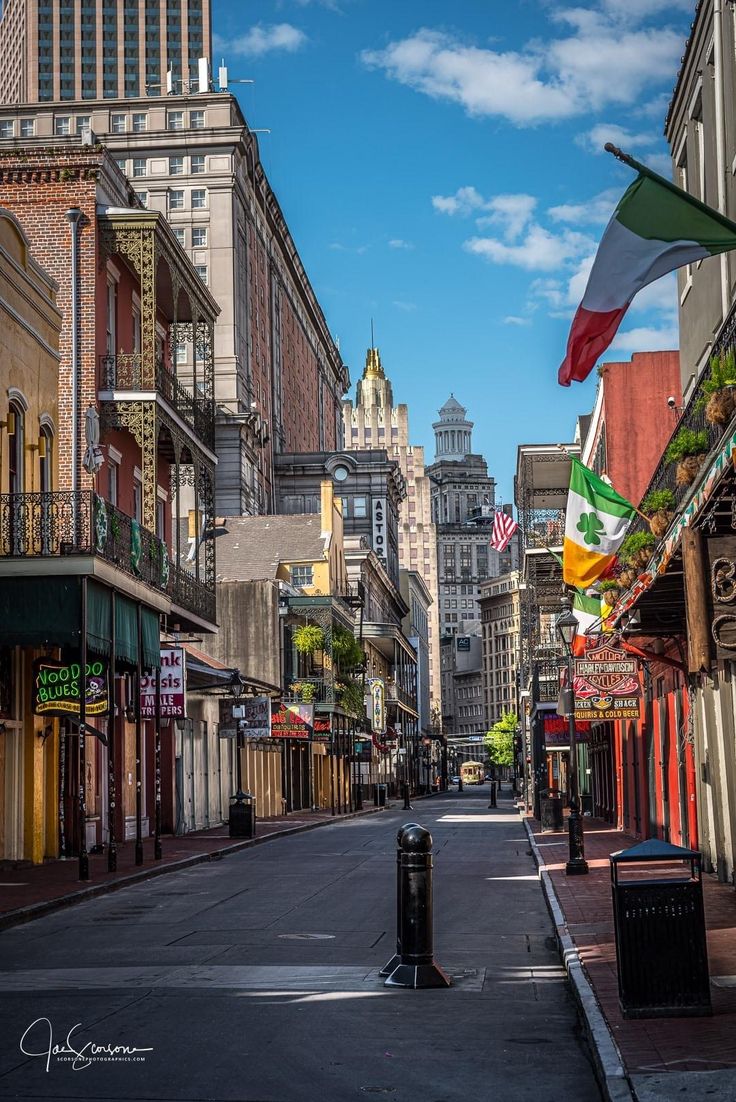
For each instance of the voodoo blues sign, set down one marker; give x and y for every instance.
(606, 684)
(56, 687)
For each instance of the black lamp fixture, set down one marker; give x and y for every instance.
(236, 685)
(567, 629)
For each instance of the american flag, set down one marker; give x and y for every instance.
(504, 527)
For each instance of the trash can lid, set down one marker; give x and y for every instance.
(653, 849)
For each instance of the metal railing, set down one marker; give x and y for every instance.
(62, 523)
(309, 690)
(546, 682)
(129, 371)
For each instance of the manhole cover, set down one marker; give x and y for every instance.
(308, 937)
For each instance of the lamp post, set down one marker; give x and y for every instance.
(237, 688)
(567, 626)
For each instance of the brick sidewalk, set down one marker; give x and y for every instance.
(29, 890)
(650, 1045)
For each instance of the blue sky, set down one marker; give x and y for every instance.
(441, 169)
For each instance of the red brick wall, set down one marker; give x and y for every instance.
(638, 420)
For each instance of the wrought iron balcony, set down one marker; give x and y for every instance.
(128, 371)
(546, 682)
(310, 690)
(62, 523)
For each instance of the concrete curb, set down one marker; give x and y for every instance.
(37, 910)
(609, 1067)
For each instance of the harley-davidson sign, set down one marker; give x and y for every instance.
(606, 684)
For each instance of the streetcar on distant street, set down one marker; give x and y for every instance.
(472, 772)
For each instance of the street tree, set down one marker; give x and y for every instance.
(499, 741)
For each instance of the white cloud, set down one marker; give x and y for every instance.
(407, 307)
(464, 201)
(512, 319)
(512, 212)
(604, 60)
(645, 339)
(595, 211)
(639, 10)
(399, 243)
(265, 38)
(539, 251)
(594, 139)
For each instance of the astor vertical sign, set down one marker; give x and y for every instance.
(173, 686)
(379, 527)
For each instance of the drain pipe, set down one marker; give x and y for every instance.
(75, 216)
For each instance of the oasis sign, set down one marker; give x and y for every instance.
(56, 688)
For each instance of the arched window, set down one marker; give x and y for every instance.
(16, 448)
(45, 459)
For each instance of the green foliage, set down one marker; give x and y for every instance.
(687, 442)
(609, 584)
(308, 638)
(346, 650)
(349, 695)
(634, 544)
(657, 500)
(305, 691)
(722, 373)
(499, 741)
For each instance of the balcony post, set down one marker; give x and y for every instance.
(83, 855)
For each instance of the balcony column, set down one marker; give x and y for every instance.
(147, 274)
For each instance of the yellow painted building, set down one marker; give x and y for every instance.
(30, 324)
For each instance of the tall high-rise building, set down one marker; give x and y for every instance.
(101, 49)
(375, 422)
(463, 507)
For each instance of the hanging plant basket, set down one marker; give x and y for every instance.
(660, 521)
(308, 638)
(720, 406)
(687, 469)
(627, 578)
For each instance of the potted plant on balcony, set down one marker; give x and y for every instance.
(349, 695)
(636, 550)
(346, 650)
(688, 450)
(305, 691)
(717, 391)
(308, 638)
(658, 506)
(610, 590)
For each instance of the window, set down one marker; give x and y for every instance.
(161, 519)
(176, 166)
(176, 200)
(199, 237)
(180, 352)
(112, 297)
(175, 120)
(121, 163)
(198, 164)
(136, 329)
(180, 235)
(137, 498)
(112, 485)
(27, 128)
(201, 270)
(139, 167)
(140, 123)
(196, 120)
(359, 507)
(6, 128)
(117, 124)
(199, 198)
(83, 123)
(301, 575)
(62, 125)
(142, 198)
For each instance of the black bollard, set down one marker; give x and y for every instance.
(493, 795)
(407, 799)
(396, 958)
(416, 967)
(460, 784)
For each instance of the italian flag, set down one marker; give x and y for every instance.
(595, 525)
(655, 229)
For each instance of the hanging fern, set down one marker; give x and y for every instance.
(308, 638)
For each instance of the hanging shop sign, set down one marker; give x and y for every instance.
(379, 526)
(722, 590)
(606, 684)
(256, 716)
(557, 731)
(173, 686)
(292, 720)
(56, 687)
(377, 691)
(322, 729)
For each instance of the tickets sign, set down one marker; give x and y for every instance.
(606, 684)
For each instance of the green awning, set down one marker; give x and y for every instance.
(38, 611)
(98, 618)
(151, 639)
(126, 631)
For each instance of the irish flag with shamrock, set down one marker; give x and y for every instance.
(595, 525)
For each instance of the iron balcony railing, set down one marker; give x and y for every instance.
(309, 690)
(61, 523)
(546, 684)
(128, 371)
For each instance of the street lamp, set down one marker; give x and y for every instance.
(567, 627)
(236, 688)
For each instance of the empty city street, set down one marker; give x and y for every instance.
(256, 977)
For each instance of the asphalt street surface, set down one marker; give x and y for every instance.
(255, 978)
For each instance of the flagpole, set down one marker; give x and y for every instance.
(627, 159)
